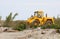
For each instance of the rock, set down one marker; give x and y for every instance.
(58, 30)
(2, 29)
(43, 32)
(38, 28)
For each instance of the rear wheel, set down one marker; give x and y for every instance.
(49, 22)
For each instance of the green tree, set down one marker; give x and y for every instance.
(9, 19)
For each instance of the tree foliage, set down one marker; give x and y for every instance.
(9, 19)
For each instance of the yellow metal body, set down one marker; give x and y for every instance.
(40, 17)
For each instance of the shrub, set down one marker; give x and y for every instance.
(20, 27)
(50, 27)
(34, 26)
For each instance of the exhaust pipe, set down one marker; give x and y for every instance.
(46, 14)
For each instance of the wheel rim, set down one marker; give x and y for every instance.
(49, 23)
(35, 23)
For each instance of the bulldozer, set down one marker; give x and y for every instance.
(39, 19)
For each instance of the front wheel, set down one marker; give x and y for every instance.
(35, 23)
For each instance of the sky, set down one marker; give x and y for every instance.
(26, 8)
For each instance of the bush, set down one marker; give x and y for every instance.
(34, 26)
(50, 27)
(20, 27)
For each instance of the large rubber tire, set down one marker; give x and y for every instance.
(49, 22)
(35, 23)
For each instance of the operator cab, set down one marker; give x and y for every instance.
(38, 14)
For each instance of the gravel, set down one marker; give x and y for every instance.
(31, 34)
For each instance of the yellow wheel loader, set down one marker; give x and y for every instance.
(39, 19)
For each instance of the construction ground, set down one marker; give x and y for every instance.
(31, 34)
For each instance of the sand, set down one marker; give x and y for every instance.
(31, 34)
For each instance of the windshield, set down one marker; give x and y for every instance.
(35, 14)
(38, 15)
